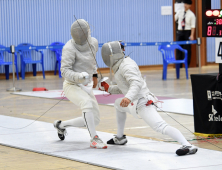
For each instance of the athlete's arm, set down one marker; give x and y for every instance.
(130, 73)
(67, 62)
(193, 24)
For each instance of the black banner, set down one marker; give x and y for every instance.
(207, 103)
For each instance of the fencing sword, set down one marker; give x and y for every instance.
(102, 78)
(106, 78)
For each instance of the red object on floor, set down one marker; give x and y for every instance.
(39, 89)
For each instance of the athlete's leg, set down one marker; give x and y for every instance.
(80, 98)
(120, 117)
(150, 115)
(120, 138)
(154, 120)
(88, 105)
(90, 114)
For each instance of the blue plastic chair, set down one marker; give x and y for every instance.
(26, 58)
(58, 53)
(169, 57)
(6, 64)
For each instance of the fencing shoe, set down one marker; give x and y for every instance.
(186, 150)
(61, 132)
(96, 142)
(118, 141)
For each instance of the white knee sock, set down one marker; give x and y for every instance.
(176, 135)
(77, 122)
(90, 124)
(121, 119)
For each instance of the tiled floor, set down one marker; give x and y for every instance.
(32, 108)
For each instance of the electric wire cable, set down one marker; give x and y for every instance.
(185, 127)
(152, 103)
(63, 97)
(90, 48)
(130, 53)
(101, 78)
(35, 119)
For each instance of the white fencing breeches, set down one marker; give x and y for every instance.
(150, 115)
(87, 103)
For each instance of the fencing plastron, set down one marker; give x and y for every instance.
(133, 109)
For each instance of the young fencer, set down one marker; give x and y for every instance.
(78, 68)
(138, 100)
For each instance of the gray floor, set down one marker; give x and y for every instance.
(31, 108)
(179, 106)
(138, 153)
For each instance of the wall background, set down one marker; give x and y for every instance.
(41, 22)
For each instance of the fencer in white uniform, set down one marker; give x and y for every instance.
(78, 68)
(138, 100)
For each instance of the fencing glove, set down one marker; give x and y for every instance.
(104, 86)
(84, 78)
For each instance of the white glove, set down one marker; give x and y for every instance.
(84, 78)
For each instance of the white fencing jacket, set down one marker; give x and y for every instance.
(76, 61)
(129, 81)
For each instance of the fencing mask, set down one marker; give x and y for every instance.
(80, 34)
(112, 53)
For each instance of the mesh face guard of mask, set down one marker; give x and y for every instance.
(80, 34)
(111, 53)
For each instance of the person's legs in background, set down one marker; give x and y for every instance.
(188, 46)
(180, 54)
